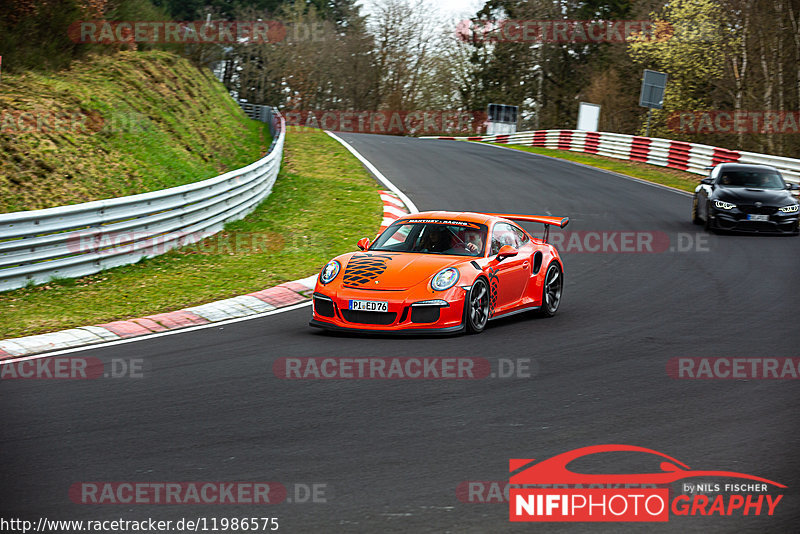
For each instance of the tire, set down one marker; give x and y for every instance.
(476, 307)
(707, 223)
(552, 287)
(695, 218)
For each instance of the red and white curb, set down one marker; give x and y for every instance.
(270, 299)
(280, 296)
(393, 209)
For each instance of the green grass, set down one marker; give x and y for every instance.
(322, 203)
(131, 122)
(660, 175)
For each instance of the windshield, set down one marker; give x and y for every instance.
(427, 236)
(751, 179)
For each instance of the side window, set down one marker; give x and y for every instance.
(503, 234)
(522, 237)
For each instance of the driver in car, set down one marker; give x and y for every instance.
(434, 240)
(469, 241)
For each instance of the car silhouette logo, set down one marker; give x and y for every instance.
(554, 470)
(759, 204)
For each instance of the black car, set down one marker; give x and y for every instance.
(746, 198)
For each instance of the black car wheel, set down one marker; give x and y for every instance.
(707, 223)
(551, 290)
(695, 218)
(477, 306)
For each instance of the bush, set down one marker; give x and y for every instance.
(33, 35)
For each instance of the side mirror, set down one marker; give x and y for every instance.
(363, 243)
(707, 181)
(506, 251)
(793, 187)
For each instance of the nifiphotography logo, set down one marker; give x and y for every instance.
(573, 496)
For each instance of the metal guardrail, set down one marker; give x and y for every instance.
(72, 241)
(690, 157)
(265, 114)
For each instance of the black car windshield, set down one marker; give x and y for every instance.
(751, 179)
(425, 236)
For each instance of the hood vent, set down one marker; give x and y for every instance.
(364, 268)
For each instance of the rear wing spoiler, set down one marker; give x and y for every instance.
(561, 222)
(547, 221)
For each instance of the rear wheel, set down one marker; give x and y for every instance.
(551, 290)
(477, 306)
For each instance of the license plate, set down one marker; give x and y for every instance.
(369, 305)
(756, 217)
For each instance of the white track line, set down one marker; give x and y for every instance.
(154, 335)
(378, 174)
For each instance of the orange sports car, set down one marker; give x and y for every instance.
(441, 272)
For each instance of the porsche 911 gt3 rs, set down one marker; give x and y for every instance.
(441, 272)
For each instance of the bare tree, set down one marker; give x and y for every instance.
(405, 36)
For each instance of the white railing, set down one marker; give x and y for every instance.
(689, 157)
(72, 241)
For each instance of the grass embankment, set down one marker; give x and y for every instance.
(117, 125)
(322, 203)
(660, 175)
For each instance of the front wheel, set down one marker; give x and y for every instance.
(707, 224)
(477, 306)
(551, 290)
(695, 218)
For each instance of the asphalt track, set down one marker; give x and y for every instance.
(392, 453)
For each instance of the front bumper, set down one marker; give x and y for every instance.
(736, 221)
(331, 310)
(405, 331)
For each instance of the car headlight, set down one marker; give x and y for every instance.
(329, 272)
(790, 209)
(445, 279)
(724, 205)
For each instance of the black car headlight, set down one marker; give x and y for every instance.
(721, 204)
(329, 272)
(793, 208)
